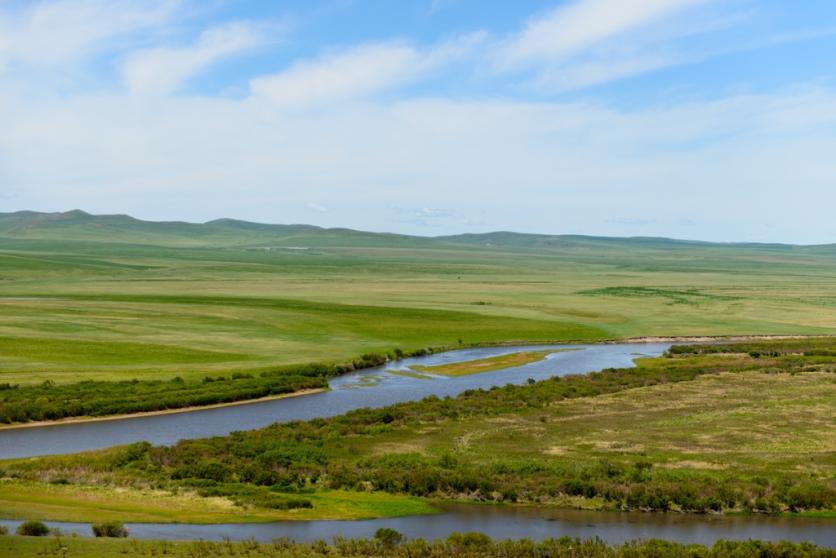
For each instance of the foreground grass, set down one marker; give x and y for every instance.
(56, 502)
(457, 545)
(465, 545)
(701, 430)
(484, 364)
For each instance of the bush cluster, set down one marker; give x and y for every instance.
(111, 529)
(32, 529)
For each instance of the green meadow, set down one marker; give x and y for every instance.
(110, 297)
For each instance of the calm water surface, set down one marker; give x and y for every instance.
(373, 387)
(502, 522)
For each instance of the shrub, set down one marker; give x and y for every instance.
(32, 529)
(4, 530)
(388, 537)
(112, 529)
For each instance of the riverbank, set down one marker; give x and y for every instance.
(467, 370)
(91, 504)
(83, 420)
(714, 338)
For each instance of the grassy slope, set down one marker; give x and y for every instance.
(159, 300)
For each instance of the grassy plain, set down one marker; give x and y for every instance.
(109, 298)
(484, 364)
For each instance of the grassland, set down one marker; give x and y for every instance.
(481, 365)
(111, 298)
(737, 428)
(457, 545)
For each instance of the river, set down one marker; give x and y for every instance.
(373, 387)
(377, 387)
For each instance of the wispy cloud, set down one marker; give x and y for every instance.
(581, 24)
(587, 42)
(358, 72)
(162, 70)
(316, 207)
(51, 33)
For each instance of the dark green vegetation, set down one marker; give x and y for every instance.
(91, 398)
(705, 429)
(112, 298)
(109, 529)
(463, 545)
(51, 401)
(32, 529)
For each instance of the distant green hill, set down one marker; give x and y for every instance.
(78, 225)
(572, 241)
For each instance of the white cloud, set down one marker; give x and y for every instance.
(361, 71)
(729, 164)
(358, 72)
(58, 32)
(581, 24)
(165, 69)
(587, 42)
(316, 207)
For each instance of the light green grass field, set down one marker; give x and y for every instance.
(748, 422)
(91, 503)
(116, 299)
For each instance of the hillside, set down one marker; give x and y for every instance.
(81, 226)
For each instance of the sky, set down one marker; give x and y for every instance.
(696, 119)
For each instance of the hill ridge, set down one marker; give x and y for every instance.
(77, 224)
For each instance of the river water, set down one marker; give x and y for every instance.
(504, 522)
(373, 387)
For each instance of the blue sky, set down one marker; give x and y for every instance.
(702, 119)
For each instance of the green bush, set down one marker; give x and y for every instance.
(388, 537)
(113, 529)
(32, 529)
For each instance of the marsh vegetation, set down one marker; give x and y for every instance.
(390, 544)
(700, 430)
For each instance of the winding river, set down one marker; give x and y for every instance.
(373, 387)
(377, 387)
